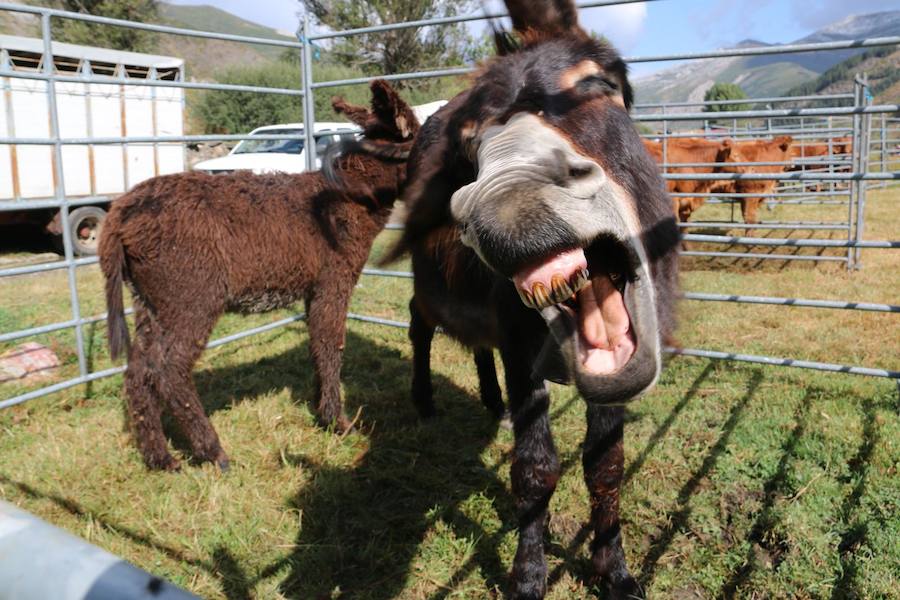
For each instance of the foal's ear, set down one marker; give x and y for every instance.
(392, 112)
(357, 114)
(549, 16)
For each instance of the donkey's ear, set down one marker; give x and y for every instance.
(550, 16)
(357, 114)
(392, 112)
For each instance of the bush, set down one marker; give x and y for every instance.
(725, 91)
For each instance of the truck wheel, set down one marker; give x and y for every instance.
(85, 224)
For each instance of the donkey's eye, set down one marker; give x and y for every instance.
(597, 83)
(579, 172)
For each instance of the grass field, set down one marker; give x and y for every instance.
(741, 480)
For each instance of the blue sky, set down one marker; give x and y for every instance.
(656, 27)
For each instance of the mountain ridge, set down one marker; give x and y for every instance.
(766, 75)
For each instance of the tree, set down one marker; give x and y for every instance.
(106, 36)
(400, 50)
(725, 91)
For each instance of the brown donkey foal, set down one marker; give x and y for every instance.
(539, 224)
(192, 246)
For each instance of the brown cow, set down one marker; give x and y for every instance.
(754, 151)
(686, 151)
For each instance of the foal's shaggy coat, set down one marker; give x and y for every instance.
(193, 246)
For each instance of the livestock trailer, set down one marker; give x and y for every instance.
(98, 96)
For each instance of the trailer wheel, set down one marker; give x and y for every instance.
(85, 224)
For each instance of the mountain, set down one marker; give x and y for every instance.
(881, 66)
(769, 75)
(204, 57)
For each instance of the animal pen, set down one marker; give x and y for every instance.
(872, 161)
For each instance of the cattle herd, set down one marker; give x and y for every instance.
(537, 222)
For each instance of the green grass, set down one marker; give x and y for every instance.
(765, 482)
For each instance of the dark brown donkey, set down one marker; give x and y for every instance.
(192, 246)
(539, 224)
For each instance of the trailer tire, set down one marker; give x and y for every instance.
(85, 224)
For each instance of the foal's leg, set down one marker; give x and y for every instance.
(535, 468)
(604, 462)
(326, 321)
(143, 403)
(421, 334)
(185, 339)
(487, 382)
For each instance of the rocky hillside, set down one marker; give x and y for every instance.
(769, 75)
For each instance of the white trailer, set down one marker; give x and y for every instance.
(104, 105)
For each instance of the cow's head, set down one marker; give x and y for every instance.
(540, 166)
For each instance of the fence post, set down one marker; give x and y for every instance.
(309, 103)
(59, 191)
(865, 134)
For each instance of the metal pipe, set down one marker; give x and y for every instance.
(785, 362)
(452, 20)
(754, 255)
(732, 225)
(52, 266)
(103, 80)
(150, 139)
(17, 205)
(791, 176)
(798, 302)
(802, 243)
(59, 192)
(42, 561)
(743, 101)
(775, 112)
(309, 104)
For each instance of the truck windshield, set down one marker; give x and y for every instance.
(281, 146)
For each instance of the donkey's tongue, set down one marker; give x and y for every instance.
(604, 327)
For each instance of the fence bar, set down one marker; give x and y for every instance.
(743, 101)
(396, 77)
(160, 139)
(100, 80)
(51, 266)
(785, 362)
(58, 387)
(799, 302)
(733, 225)
(16, 205)
(309, 104)
(793, 176)
(802, 243)
(261, 329)
(383, 273)
(482, 16)
(59, 192)
(756, 255)
(779, 112)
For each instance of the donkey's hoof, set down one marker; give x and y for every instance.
(162, 463)
(626, 589)
(224, 464)
(506, 420)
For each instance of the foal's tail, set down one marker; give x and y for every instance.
(112, 263)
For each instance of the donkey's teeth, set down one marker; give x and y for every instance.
(560, 289)
(527, 298)
(579, 280)
(541, 295)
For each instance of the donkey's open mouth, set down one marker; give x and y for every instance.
(588, 288)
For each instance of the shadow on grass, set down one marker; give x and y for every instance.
(854, 535)
(763, 532)
(678, 519)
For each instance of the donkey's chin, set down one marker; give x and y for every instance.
(599, 305)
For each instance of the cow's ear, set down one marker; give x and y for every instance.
(357, 114)
(784, 142)
(547, 16)
(392, 111)
(724, 152)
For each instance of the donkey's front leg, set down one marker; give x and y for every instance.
(535, 471)
(604, 463)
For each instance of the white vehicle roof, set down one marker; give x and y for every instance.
(119, 57)
(320, 126)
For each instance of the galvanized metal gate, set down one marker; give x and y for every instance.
(803, 122)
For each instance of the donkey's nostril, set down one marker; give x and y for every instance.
(580, 172)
